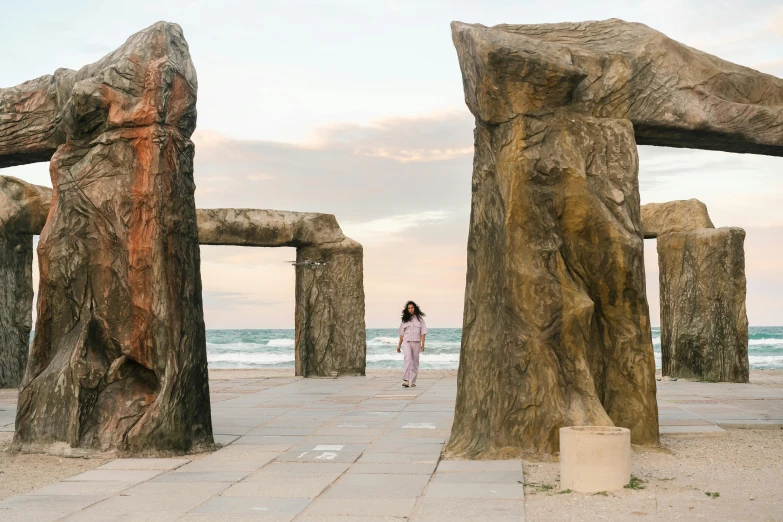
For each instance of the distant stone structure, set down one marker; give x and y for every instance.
(118, 361)
(329, 317)
(23, 210)
(330, 329)
(556, 327)
(704, 324)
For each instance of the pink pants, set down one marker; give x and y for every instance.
(411, 351)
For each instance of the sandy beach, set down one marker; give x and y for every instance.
(741, 469)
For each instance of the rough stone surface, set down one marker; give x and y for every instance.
(704, 325)
(119, 355)
(31, 117)
(675, 95)
(23, 210)
(556, 329)
(674, 216)
(330, 329)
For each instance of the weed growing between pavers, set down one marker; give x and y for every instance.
(712, 494)
(635, 483)
(539, 487)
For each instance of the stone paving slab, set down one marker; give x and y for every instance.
(204, 476)
(33, 515)
(118, 475)
(368, 486)
(103, 489)
(300, 486)
(172, 503)
(361, 507)
(148, 464)
(710, 430)
(54, 502)
(98, 515)
(432, 509)
(277, 507)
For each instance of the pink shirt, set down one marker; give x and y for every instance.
(413, 330)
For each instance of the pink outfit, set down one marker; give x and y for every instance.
(411, 333)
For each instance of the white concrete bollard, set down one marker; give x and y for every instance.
(594, 458)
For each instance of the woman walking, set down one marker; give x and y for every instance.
(412, 332)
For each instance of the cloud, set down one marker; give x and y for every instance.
(233, 300)
(361, 173)
(390, 228)
(436, 137)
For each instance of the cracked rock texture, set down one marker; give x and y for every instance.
(118, 361)
(674, 216)
(556, 328)
(704, 325)
(675, 95)
(31, 117)
(330, 329)
(23, 210)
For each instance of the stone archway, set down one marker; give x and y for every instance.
(556, 328)
(330, 329)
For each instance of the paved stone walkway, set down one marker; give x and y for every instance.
(360, 449)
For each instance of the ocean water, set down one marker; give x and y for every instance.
(275, 348)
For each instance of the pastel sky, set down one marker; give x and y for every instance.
(345, 106)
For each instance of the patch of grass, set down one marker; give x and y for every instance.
(707, 378)
(564, 492)
(540, 487)
(635, 483)
(713, 494)
(602, 493)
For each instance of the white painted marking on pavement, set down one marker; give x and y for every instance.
(326, 455)
(329, 447)
(419, 426)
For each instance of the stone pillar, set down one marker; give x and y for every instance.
(330, 332)
(16, 297)
(23, 210)
(556, 328)
(119, 356)
(704, 325)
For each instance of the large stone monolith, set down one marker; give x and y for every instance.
(556, 328)
(704, 325)
(118, 361)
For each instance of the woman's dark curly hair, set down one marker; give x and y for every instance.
(416, 311)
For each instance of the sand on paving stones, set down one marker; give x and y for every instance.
(23, 472)
(744, 468)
